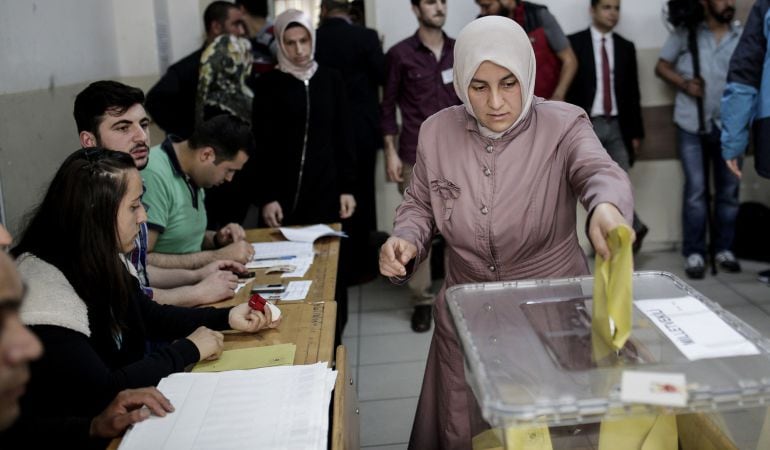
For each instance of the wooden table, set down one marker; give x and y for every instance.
(323, 271)
(309, 324)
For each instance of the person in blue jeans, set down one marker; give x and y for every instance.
(692, 149)
(746, 100)
(717, 38)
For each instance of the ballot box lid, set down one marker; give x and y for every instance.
(529, 356)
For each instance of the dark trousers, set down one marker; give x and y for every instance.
(608, 132)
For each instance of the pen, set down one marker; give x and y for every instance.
(281, 258)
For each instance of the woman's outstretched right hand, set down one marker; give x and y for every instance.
(210, 343)
(395, 253)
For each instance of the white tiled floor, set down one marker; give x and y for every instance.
(388, 359)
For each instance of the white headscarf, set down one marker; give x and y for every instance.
(501, 41)
(305, 71)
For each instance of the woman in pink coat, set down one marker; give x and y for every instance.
(499, 177)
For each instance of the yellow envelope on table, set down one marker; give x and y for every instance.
(250, 358)
(613, 297)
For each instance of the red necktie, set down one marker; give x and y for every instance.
(607, 90)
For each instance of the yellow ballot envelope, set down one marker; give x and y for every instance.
(613, 295)
(611, 324)
(250, 358)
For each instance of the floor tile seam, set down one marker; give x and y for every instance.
(748, 300)
(393, 362)
(358, 342)
(358, 382)
(409, 397)
(386, 309)
(407, 308)
(411, 361)
(379, 399)
(393, 334)
(384, 445)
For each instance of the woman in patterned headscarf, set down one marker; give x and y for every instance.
(499, 177)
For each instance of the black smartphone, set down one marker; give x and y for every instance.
(268, 288)
(244, 275)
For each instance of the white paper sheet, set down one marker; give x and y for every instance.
(301, 266)
(654, 388)
(283, 250)
(265, 263)
(695, 330)
(295, 291)
(311, 233)
(284, 407)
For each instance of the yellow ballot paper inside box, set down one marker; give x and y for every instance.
(611, 326)
(250, 358)
(516, 438)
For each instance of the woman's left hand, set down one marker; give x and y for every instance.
(243, 318)
(604, 219)
(347, 206)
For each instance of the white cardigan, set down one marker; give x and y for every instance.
(51, 299)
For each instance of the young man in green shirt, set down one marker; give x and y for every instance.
(175, 177)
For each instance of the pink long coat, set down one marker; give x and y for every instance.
(506, 209)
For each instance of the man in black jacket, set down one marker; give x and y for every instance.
(356, 53)
(171, 102)
(607, 87)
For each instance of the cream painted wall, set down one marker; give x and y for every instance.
(49, 43)
(51, 50)
(136, 44)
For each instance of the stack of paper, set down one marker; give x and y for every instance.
(311, 233)
(275, 408)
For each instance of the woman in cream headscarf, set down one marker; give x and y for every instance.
(306, 151)
(499, 178)
(300, 117)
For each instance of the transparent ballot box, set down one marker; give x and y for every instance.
(531, 361)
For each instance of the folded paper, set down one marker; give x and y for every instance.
(612, 305)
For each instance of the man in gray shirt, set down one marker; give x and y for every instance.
(717, 38)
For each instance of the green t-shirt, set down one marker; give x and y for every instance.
(175, 205)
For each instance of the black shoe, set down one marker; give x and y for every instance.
(764, 276)
(727, 261)
(640, 234)
(421, 318)
(695, 267)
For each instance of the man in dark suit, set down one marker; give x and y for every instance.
(607, 87)
(171, 102)
(355, 52)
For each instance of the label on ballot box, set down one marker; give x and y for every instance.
(695, 330)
